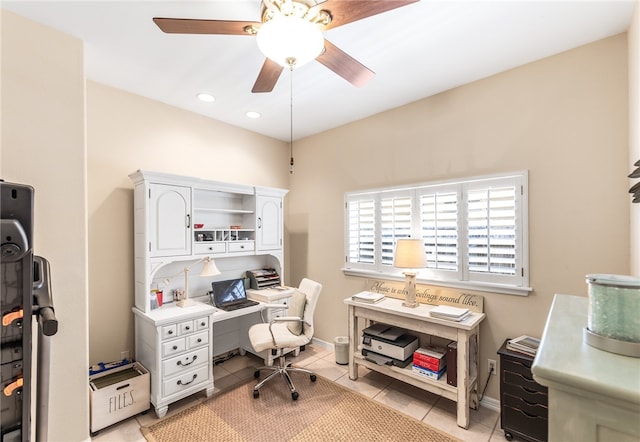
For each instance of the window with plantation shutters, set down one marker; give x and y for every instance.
(395, 222)
(491, 230)
(439, 228)
(361, 214)
(474, 231)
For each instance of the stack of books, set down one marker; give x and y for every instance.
(429, 362)
(524, 344)
(368, 297)
(450, 313)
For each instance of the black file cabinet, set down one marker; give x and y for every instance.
(523, 402)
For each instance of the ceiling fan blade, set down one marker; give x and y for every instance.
(348, 11)
(268, 76)
(196, 26)
(344, 65)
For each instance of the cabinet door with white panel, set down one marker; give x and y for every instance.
(169, 220)
(269, 221)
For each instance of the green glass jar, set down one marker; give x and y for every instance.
(614, 307)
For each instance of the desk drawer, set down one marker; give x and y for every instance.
(517, 366)
(185, 362)
(522, 380)
(241, 246)
(529, 408)
(169, 331)
(186, 381)
(530, 395)
(205, 248)
(202, 323)
(198, 340)
(517, 421)
(185, 327)
(173, 347)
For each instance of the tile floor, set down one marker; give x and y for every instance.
(430, 408)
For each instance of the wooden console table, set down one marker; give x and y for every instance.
(465, 333)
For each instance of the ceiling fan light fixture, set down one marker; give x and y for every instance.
(286, 38)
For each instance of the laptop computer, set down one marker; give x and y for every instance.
(230, 295)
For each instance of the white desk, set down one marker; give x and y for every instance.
(465, 333)
(594, 395)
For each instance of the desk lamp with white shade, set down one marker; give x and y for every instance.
(410, 254)
(208, 269)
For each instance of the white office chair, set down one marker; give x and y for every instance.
(286, 332)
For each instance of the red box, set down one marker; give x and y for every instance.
(432, 358)
(428, 363)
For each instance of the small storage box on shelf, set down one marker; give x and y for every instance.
(117, 394)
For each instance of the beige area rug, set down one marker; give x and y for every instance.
(325, 411)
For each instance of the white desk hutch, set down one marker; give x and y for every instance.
(179, 221)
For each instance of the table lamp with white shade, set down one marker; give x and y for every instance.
(208, 269)
(410, 254)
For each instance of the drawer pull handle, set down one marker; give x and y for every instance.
(188, 363)
(199, 340)
(170, 332)
(187, 328)
(521, 411)
(122, 386)
(195, 375)
(175, 347)
(529, 390)
(202, 324)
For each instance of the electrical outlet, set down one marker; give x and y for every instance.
(124, 355)
(491, 365)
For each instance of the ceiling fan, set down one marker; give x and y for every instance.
(294, 18)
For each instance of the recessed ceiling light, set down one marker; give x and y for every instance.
(252, 114)
(206, 97)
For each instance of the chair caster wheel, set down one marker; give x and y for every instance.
(294, 395)
(256, 393)
(508, 435)
(313, 377)
(256, 374)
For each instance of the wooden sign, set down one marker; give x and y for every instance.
(428, 294)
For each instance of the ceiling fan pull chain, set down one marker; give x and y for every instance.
(291, 116)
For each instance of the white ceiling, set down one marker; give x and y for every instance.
(416, 51)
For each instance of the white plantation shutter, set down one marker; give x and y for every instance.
(491, 230)
(361, 218)
(474, 230)
(395, 222)
(439, 228)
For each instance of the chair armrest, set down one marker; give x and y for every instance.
(284, 319)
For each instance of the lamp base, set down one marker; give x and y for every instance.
(185, 303)
(410, 290)
(410, 304)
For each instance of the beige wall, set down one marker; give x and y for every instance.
(634, 131)
(43, 145)
(127, 132)
(563, 118)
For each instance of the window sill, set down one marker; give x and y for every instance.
(477, 286)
